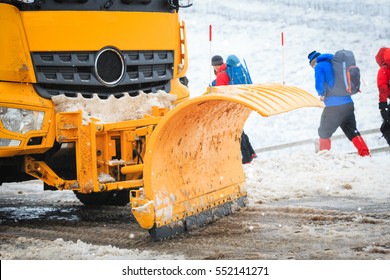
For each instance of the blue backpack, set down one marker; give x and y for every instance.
(237, 73)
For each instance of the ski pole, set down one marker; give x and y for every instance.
(249, 75)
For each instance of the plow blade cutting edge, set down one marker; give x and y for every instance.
(192, 167)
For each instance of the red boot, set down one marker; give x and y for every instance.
(325, 144)
(361, 146)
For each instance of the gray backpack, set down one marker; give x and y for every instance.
(346, 74)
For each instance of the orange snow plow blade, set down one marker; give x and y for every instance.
(192, 165)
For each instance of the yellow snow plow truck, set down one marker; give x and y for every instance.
(178, 164)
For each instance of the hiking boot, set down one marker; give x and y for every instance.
(361, 146)
(325, 144)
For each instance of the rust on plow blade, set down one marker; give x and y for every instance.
(192, 166)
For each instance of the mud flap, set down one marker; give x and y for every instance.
(192, 165)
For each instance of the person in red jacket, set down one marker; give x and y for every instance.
(383, 83)
(222, 79)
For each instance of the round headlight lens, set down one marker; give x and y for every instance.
(12, 120)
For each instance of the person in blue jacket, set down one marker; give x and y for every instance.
(339, 109)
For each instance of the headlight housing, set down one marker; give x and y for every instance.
(21, 120)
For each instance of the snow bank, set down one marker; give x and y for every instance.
(68, 250)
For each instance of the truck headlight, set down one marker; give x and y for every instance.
(21, 120)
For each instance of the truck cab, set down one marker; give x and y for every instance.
(79, 47)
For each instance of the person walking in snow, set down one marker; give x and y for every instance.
(219, 68)
(339, 109)
(383, 83)
(222, 79)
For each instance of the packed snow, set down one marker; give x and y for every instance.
(44, 250)
(252, 30)
(113, 109)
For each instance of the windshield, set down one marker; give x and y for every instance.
(91, 5)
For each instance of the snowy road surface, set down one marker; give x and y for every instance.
(286, 219)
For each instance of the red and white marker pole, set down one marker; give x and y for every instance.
(282, 39)
(210, 40)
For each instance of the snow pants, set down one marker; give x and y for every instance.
(385, 129)
(342, 116)
(246, 148)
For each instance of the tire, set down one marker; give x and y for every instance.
(121, 198)
(94, 198)
(116, 198)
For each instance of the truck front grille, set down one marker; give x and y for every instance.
(70, 73)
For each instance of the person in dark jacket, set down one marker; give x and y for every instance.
(383, 83)
(222, 79)
(339, 109)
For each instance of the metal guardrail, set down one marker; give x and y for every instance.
(315, 141)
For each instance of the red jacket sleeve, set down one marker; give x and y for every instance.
(383, 79)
